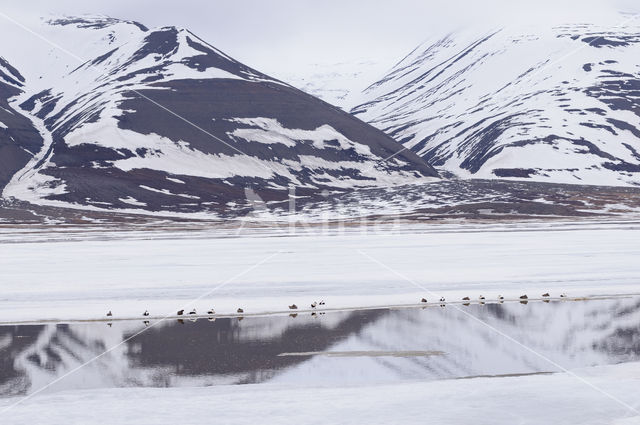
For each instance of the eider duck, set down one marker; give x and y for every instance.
(546, 295)
(193, 311)
(146, 313)
(240, 310)
(322, 302)
(212, 311)
(109, 314)
(293, 307)
(442, 299)
(424, 300)
(524, 297)
(466, 299)
(482, 297)
(563, 295)
(180, 312)
(314, 304)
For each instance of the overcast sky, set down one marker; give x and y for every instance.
(277, 34)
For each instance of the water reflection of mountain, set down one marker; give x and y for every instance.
(169, 354)
(571, 334)
(223, 347)
(228, 351)
(13, 341)
(624, 341)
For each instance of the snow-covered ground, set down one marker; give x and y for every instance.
(265, 272)
(558, 398)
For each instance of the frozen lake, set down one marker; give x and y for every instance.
(83, 278)
(336, 349)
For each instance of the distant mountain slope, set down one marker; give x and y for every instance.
(159, 120)
(557, 104)
(336, 83)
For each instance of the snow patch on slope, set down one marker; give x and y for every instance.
(269, 130)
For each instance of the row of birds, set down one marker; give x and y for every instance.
(313, 305)
(500, 298)
(179, 313)
(212, 311)
(321, 303)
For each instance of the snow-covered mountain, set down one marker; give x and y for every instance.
(558, 104)
(157, 119)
